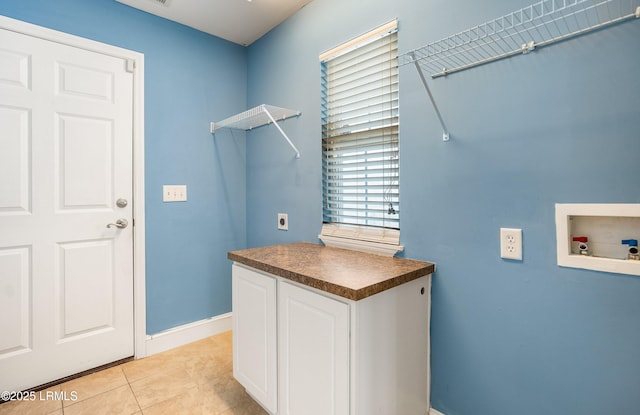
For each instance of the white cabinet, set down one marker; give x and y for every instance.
(330, 355)
(390, 352)
(254, 335)
(313, 351)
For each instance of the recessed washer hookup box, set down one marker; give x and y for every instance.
(600, 237)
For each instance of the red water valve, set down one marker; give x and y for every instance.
(582, 244)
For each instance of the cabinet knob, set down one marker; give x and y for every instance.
(422, 291)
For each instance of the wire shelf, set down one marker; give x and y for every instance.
(257, 117)
(519, 32)
(254, 118)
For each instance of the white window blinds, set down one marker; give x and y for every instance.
(360, 131)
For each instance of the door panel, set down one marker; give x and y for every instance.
(66, 280)
(14, 68)
(85, 163)
(89, 83)
(86, 284)
(14, 159)
(16, 279)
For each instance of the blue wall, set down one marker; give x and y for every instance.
(556, 126)
(191, 79)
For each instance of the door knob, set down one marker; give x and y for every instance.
(120, 223)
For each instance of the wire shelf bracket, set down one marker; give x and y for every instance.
(257, 117)
(445, 130)
(521, 32)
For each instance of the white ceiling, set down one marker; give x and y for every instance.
(239, 21)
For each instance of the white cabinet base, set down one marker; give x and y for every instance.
(330, 355)
(313, 353)
(390, 351)
(254, 335)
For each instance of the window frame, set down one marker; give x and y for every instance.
(369, 238)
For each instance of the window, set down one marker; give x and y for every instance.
(360, 140)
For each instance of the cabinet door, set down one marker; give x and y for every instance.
(254, 335)
(313, 353)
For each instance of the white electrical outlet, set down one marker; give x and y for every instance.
(511, 243)
(283, 221)
(174, 193)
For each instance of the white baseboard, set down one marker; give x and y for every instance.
(435, 412)
(187, 333)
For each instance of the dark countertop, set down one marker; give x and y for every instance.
(349, 274)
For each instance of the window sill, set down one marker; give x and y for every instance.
(375, 241)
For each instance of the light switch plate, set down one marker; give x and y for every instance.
(174, 193)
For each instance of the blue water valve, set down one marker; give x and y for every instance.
(633, 249)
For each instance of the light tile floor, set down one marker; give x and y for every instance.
(193, 379)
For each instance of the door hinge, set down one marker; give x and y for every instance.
(131, 65)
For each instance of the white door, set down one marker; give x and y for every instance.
(66, 279)
(313, 353)
(254, 335)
